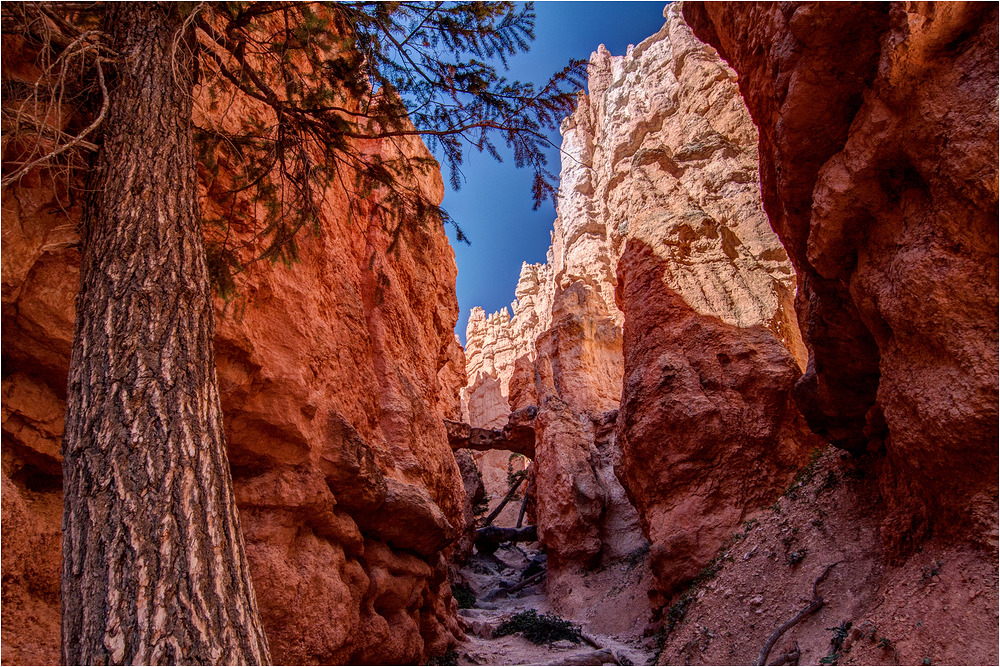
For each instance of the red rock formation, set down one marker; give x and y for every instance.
(660, 224)
(493, 344)
(707, 427)
(335, 376)
(878, 160)
(940, 606)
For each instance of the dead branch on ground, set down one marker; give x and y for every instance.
(814, 604)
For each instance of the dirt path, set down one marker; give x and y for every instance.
(609, 604)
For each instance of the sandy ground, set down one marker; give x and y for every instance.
(609, 603)
(938, 606)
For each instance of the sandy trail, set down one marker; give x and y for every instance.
(609, 604)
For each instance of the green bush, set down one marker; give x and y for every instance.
(449, 658)
(539, 628)
(463, 595)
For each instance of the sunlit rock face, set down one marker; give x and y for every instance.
(878, 156)
(707, 426)
(672, 302)
(493, 344)
(335, 375)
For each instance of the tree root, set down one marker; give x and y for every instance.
(789, 658)
(814, 604)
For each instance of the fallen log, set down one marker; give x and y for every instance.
(530, 581)
(503, 503)
(489, 539)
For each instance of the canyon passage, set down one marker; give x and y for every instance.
(745, 412)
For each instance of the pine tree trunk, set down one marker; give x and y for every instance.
(154, 570)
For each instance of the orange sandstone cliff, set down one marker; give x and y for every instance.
(664, 357)
(878, 160)
(335, 375)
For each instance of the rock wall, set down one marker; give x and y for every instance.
(672, 303)
(878, 160)
(335, 376)
(707, 425)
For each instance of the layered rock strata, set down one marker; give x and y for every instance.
(708, 428)
(672, 303)
(878, 160)
(335, 378)
(493, 343)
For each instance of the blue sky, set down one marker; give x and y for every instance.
(493, 206)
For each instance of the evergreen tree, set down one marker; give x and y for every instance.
(154, 569)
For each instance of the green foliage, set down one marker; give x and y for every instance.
(805, 475)
(514, 475)
(297, 98)
(463, 595)
(679, 609)
(797, 556)
(481, 507)
(450, 657)
(539, 628)
(636, 557)
(335, 76)
(928, 573)
(836, 642)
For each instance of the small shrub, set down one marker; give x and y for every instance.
(677, 611)
(449, 658)
(885, 644)
(805, 475)
(463, 595)
(514, 475)
(931, 571)
(636, 557)
(839, 635)
(797, 557)
(829, 482)
(539, 628)
(480, 507)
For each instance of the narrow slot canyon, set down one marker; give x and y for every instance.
(746, 412)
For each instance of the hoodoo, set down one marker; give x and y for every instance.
(746, 412)
(666, 298)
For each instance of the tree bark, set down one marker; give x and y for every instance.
(154, 569)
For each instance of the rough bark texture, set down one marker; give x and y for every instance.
(878, 161)
(334, 378)
(154, 568)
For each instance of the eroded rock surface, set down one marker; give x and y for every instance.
(659, 227)
(335, 376)
(940, 606)
(878, 160)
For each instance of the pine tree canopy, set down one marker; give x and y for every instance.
(332, 75)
